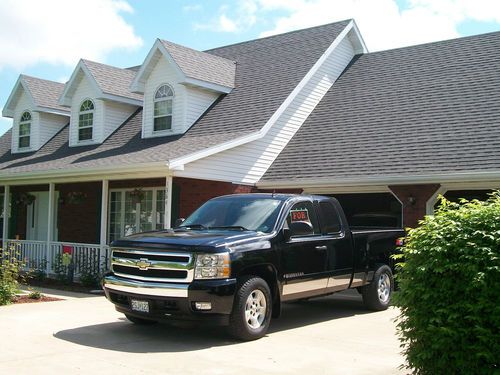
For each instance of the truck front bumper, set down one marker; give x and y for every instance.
(173, 301)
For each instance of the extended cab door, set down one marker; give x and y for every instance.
(304, 258)
(339, 244)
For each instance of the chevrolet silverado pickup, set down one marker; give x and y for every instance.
(237, 258)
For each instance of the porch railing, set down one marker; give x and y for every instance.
(48, 256)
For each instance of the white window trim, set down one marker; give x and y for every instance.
(154, 189)
(19, 136)
(80, 112)
(157, 100)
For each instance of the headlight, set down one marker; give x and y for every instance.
(212, 266)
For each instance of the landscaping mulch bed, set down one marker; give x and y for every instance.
(56, 284)
(27, 299)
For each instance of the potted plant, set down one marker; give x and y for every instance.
(137, 195)
(76, 197)
(25, 199)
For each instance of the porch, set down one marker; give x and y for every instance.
(81, 218)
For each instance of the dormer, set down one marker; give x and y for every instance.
(37, 116)
(179, 84)
(100, 100)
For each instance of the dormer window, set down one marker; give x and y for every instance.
(163, 100)
(25, 130)
(86, 121)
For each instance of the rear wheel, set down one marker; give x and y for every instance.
(140, 321)
(377, 295)
(252, 309)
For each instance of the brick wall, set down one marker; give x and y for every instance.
(414, 199)
(80, 222)
(193, 193)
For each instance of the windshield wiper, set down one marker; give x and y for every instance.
(193, 226)
(237, 227)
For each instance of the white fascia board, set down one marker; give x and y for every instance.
(157, 167)
(65, 99)
(8, 110)
(272, 120)
(382, 180)
(360, 37)
(137, 84)
(207, 85)
(120, 99)
(52, 111)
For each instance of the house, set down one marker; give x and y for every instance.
(116, 151)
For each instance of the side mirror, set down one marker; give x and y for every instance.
(178, 222)
(299, 228)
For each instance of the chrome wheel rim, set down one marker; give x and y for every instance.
(255, 309)
(384, 288)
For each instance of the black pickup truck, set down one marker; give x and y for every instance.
(237, 258)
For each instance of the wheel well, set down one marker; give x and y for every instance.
(268, 273)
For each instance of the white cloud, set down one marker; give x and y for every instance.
(61, 31)
(381, 22)
(232, 19)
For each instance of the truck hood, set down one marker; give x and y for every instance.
(187, 239)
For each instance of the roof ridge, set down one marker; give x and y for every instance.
(278, 35)
(436, 42)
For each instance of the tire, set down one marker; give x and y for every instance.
(252, 309)
(377, 295)
(140, 321)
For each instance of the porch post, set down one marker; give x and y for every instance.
(50, 223)
(104, 212)
(6, 200)
(168, 202)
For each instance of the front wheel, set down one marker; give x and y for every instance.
(252, 309)
(377, 295)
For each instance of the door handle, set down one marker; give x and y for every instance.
(321, 248)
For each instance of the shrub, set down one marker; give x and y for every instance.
(450, 290)
(35, 294)
(10, 267)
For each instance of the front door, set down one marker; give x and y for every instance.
(37, 214)
(304, 258)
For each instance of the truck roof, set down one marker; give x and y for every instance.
(279, 196)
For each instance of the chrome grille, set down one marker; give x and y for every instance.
(148, 265)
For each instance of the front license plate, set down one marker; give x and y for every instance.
(142, 306)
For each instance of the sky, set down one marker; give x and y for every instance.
(47, 38)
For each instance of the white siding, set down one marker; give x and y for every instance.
(115, 114)
(24, 104)
(84, 91)
(189, 102)
(163, 73)
(248, 163)
(49, 125)
(197, 102)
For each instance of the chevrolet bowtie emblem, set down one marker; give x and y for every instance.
(143, 264)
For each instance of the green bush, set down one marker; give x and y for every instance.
(450, 290)
(10, 267)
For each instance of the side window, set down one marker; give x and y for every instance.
(303, 211)
(330, 216)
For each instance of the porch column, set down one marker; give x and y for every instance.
(168, 202)
(6, 199)
(50, 223)
(104, 212)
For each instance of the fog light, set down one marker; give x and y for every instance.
(203, 305)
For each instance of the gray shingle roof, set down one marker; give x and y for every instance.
(45, 93)
(268, 70)
(201, 65)
(426, 109)
(113, 80)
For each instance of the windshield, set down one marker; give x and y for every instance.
(244, 213)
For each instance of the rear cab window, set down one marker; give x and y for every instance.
(330, 219)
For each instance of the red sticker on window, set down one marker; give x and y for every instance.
(299, 215)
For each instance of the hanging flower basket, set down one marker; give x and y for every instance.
(137, 195)
(24, 199)
(76, 197)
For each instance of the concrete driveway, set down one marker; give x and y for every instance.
(332, 335)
